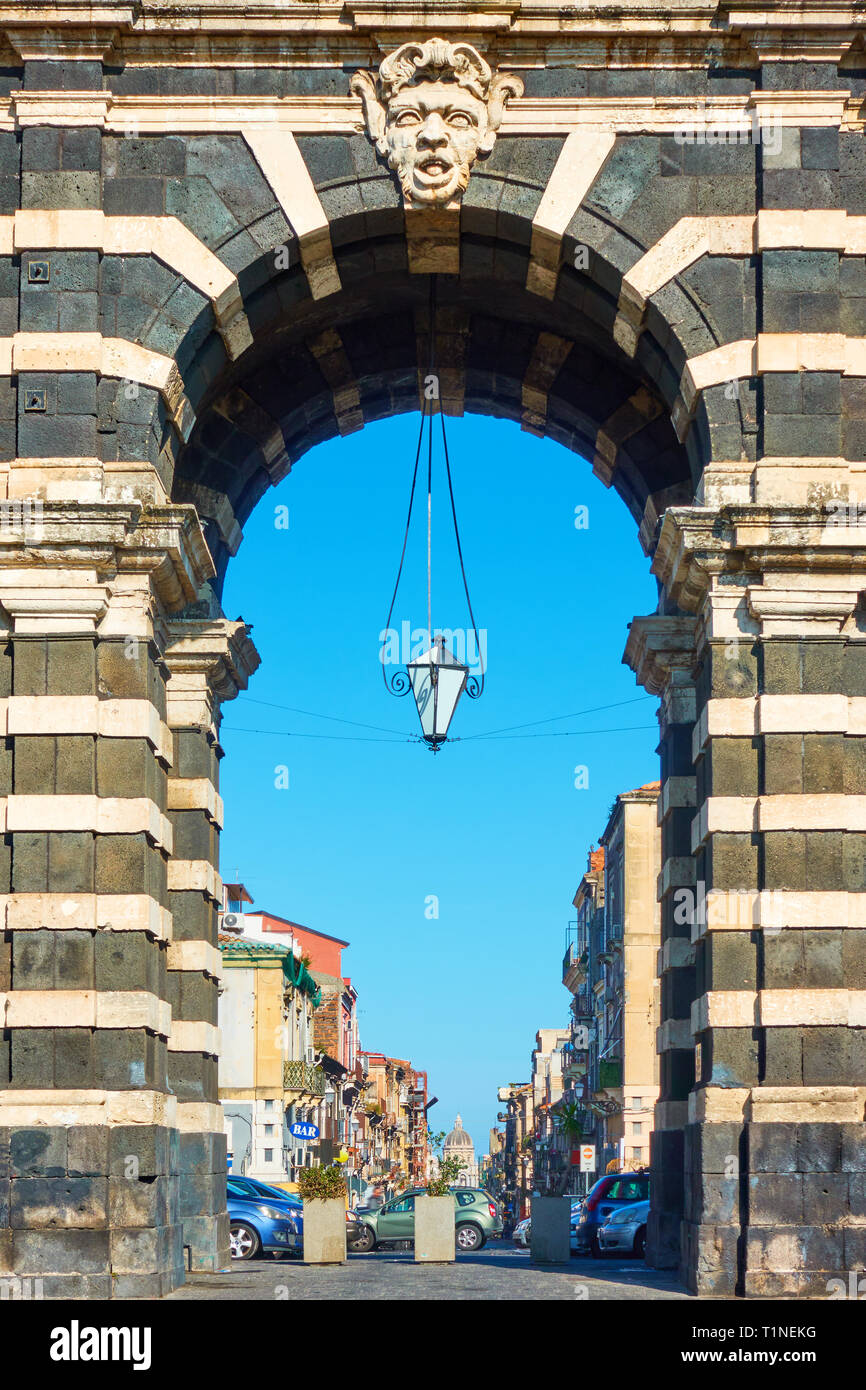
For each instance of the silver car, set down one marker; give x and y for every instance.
(625, 1229)
(522, 1232)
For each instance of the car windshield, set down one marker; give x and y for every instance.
(623, 1216)
(248, 1187)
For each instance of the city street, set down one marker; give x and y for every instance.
(499, 1271)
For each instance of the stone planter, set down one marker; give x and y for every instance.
(324, 1231)
(434, 1230)
(551, 1228)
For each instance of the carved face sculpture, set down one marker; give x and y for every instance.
(434, 130)
(435, 108)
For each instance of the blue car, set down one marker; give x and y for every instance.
(611, 1192)
(251, 1187)
(261, 1225)
(261, 1195)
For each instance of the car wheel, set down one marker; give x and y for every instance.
(243, 1240)
(470, 1236)
(365, 1242)
(640, 1243)
(595, 1249)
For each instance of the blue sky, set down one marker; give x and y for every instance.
(371, 826)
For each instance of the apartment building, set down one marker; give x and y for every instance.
(610, 1066)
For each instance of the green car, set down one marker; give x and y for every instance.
(476, 1216)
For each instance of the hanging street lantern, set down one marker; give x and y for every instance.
(438, 680)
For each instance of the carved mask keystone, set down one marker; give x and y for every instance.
(431, 111)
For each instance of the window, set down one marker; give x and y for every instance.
(269, 1129)
(634, 1189)
(637, 1128)
(405, 1204)
(636, 1153)
(269, 1155)
(637, 1102)
(465, 1199)
(269, 1105)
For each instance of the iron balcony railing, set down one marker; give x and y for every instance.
(583, 1004)
(300, 1076)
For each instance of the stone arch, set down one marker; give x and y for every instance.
(142, 199)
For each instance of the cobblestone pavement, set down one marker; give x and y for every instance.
(500, 1271)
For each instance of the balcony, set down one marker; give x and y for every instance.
(299, 1076)
(574, 964)
(609, 1074)
(583, 1005)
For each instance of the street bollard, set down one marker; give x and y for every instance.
(550, 1231)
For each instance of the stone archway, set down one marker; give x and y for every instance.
(210, 269)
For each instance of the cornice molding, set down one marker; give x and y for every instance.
(636, 33)
(120, 114)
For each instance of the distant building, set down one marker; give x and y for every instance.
(516, 1163)
(458, 1144)
(629, 1005)
(266, 1083)
(323, 1081)
(610, 968)
(396, 1150)
(552, 1148)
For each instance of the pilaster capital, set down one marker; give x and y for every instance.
(61, 562)
(769, 570)
(661, 650)
(210, 660)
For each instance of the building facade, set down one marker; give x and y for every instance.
(267, 1081)
(333, 1062)
(396, 1149)
(610, 967)
(518, 1146)
(627, 1012)
(216, 254)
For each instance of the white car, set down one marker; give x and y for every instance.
(522, 1232)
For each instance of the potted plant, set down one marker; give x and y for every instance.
(434, 1211)
(323, 1192)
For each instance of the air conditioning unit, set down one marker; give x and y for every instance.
(230, 921)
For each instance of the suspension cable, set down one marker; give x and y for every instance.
(398, 686)
(473, 688)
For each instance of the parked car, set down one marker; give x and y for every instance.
(477, 1218)
(576, 1207)
(356, 1236)
(522, 1233)
(260, 1225)
(251, 1187)
(625, 1229)
(611, 1192)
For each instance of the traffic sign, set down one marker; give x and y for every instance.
(587, 1158)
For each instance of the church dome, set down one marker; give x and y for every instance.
(458, 1138)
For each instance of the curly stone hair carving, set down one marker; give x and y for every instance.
(436, 59)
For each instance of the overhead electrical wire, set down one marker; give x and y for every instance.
(412, 738)
(490, 733)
